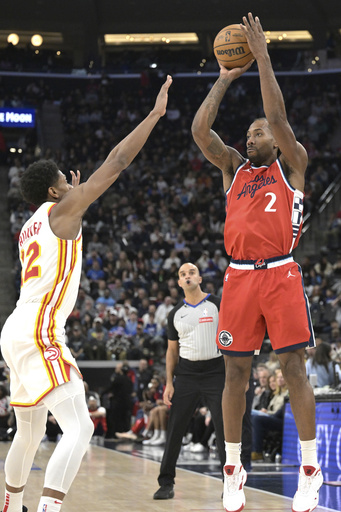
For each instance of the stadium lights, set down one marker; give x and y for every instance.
(288, 36)
(13, 38)
(36, 40)
(151, 38)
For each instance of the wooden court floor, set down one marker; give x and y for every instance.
(110, 481)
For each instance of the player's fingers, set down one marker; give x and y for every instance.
(251, 20)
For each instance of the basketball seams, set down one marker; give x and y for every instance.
(233, 45)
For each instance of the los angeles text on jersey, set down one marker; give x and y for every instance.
(30, 231)
(256, 184)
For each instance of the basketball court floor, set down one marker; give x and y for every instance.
(122, 476)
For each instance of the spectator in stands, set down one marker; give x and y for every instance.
(106, 298)
(321, 364)
(162, 311)
(201, 431)
(111, 320)
(119, 400)
(270, 418)
(158, 418)
(262, 391)
(6, 411)
(172, 259)
(95, 346)
(131, 323)
(76, 342)
(98, 415)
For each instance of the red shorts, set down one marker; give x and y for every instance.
(254, 301)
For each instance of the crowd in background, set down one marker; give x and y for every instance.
(127, 61)
(168, 207)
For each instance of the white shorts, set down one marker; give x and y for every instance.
(33, 346)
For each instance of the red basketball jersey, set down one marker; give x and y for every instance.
(264, 213)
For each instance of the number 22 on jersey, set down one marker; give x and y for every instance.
(28, 260)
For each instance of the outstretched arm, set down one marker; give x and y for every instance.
(214, 149)
(293, 152)
(74, 204)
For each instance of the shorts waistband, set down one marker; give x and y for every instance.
(261, 263)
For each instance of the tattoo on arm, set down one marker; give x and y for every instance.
(214, 98)
(216, 148)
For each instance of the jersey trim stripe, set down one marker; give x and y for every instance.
(196, 305)
(50, 209)
(40, 344)
(71, 247)
(62, 257)
(20, 404)
(290, 187)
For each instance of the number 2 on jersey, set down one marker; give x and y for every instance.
(271, 202)
(29, 269)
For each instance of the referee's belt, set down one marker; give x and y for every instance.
(261, 263)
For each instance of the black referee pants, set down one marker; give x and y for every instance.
(195, 381)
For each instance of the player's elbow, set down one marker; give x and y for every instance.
(121, 162)
(195, 128)
(197, 132)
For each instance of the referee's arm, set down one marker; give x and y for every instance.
(172, 359)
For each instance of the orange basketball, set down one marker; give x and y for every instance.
(231, 48)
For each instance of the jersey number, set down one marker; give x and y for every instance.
(271, 202)
(30, 270)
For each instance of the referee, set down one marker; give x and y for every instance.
(192, 356)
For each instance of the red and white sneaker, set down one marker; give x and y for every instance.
(307, 495)
(234, 480)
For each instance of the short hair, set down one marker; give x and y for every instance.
(37, 179)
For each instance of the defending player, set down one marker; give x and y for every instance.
(44, 375)
(263, 286)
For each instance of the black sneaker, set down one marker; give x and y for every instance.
(166, 492)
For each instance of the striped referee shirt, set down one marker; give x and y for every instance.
(195, 328)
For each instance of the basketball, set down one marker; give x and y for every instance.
(231, 48)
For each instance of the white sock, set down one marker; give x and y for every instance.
(156, 434)
(163, 435)
(309, 453)
(13, 501)
(233, 451)
(49, 504)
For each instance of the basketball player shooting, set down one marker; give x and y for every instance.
(44, 374)
(263, 285)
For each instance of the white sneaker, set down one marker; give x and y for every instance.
(187, 447)
(234, 480)
(307, 495)
(197, 448)
(150, 440)
(159, 440)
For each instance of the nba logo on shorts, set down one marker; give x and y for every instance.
(44, 507)
(52, 353)
(225, 338)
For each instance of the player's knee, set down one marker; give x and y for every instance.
(81, 436)
(31, 436)
(88, 430)
(237, 377)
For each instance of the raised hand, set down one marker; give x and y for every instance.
(75, 178)
(162, 97)
(234, 73)
(253, 31)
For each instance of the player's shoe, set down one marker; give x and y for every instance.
(307, 495)
(234, 480)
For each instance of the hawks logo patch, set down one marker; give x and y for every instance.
(52, 353)
(225, 338)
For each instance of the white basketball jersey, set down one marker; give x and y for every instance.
(51, 267)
